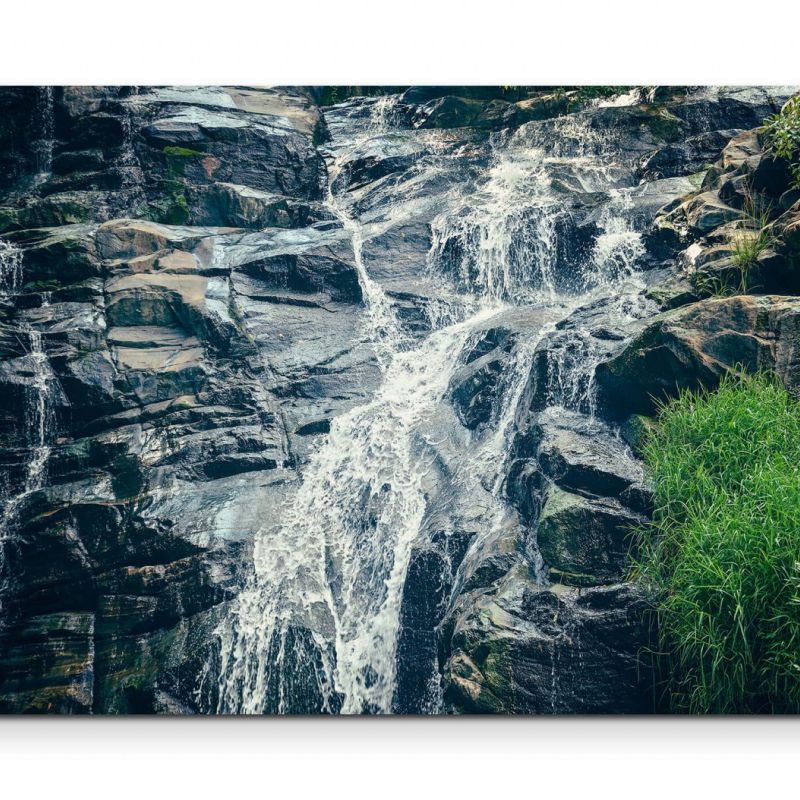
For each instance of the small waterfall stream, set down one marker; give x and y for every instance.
(38, 417)
(43, 123)
(317, 626)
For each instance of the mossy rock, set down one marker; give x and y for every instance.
(636, 429)
(665, 125)
(584, 539)
(9, 220)
(675, 292)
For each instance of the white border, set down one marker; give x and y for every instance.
(394, 43)
(495, 759)
(410, 42)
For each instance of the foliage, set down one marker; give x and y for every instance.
(748, 239)
(722, 554)
(751, 238)
(782, 134)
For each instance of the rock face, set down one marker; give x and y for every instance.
(164, 423)
(697, 344)
(732, 306)
(188, 305)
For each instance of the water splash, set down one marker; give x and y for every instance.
(382, 328)
(619, 247)
(317, 626)
(10, 269)
(499, 241)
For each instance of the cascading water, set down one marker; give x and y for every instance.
(316, 628)
(38, 410)
(43, 123)
(10, 269)
(499, 241)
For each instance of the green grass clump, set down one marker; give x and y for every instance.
(751, 238)
(722, 553)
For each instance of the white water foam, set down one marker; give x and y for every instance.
(317, 626)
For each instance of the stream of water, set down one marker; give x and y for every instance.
(318, 624)
(38, 410)
(43, 122)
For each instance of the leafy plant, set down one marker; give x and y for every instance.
(782, 134)
(722, 554)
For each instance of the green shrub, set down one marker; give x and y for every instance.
(722, 555)
(782, 134)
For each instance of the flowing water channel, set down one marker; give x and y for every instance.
(318, 624)
(38, 419)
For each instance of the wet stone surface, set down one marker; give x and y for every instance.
(314, 409)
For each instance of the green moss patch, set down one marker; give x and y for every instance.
(182, 152)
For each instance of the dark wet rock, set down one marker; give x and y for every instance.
(49, 664)
(688, 157)
(476, 387)
(584, 541)
(525, 648)
(375, 159)
(695, 345)
(484, 108)
(200, 314)
(673, 292)
(583, 455)
(65, 254)
(232, 205)
(426, 595)
(325, 271)
(525, 488)
(703, 213)
(459, 112)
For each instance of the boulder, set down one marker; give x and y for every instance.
(697, 344)
(584, 541)
(475, 388)
(528, 648)
(706, 212)
(583, 455)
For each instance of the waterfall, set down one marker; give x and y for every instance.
(10, 269)
(43, 124)
(316, 627)
(499, 241)
(382, 328)
(38, 417)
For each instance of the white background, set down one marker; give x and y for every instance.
(408, 42)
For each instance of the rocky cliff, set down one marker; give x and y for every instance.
(373, 370)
